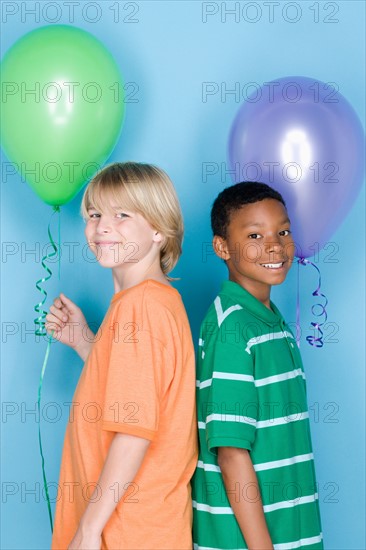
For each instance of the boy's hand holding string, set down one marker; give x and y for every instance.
(70, 326)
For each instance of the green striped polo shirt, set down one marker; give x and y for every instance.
(251, 394)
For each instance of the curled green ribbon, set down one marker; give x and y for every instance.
(41, 331)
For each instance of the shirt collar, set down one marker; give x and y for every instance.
(249, 302)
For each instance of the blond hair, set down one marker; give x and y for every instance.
(142, 188)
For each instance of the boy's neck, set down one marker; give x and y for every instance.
(134, 275)
(261, 292)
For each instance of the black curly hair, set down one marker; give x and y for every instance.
(234, 197)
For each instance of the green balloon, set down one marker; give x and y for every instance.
(62, 104)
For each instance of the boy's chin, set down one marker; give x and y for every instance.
(105, 261)
(113, 264)
(109, 263)
(275, 278)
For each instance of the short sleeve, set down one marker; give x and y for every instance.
(231, 407)
(133, 387)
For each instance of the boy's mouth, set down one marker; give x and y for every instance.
(273, 265)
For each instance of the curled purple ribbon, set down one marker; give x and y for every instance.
(318, 310)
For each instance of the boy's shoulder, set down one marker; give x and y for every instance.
(148, 291)
(151, 303)
(233, 303)
(225, 309)
(234, 310)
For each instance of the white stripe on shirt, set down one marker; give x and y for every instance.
(279, 546)
(298, 543)
(278, 378)
(258, 424)
(267, 337)
(249, 378)
(221, 315)
(290, 503)
(284, 462)
(282, 420)
(227, 510)
(231, 418)
(208, 467)
(263, 465)
(224, 376)
(212, 509)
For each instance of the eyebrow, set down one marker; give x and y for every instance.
(112, 207)
(257, 224)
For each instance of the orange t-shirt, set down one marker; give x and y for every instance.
(139, 379)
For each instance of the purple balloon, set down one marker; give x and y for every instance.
(302, 137)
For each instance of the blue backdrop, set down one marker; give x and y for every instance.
(188, 66)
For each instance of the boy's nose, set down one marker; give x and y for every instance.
(273, 245)
(104, 224)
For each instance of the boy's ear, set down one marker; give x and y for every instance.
(158, 237)
(220, 247)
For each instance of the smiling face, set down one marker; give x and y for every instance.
(258, 247)
(120, 239)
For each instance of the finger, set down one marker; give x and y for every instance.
(56, 334)
(62, 314)
(52, 327)
(60, 310)
(65, 313)
(56, 321)
(51, 318)
(68, 305)
(65, 300)
(57, 302)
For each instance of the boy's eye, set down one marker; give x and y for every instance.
(94, 215)
(285, 233)
(254, 236)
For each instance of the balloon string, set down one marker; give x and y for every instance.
(39, 434)
(41, 331)
(317, 339)
(298, 327)
(59, 244)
